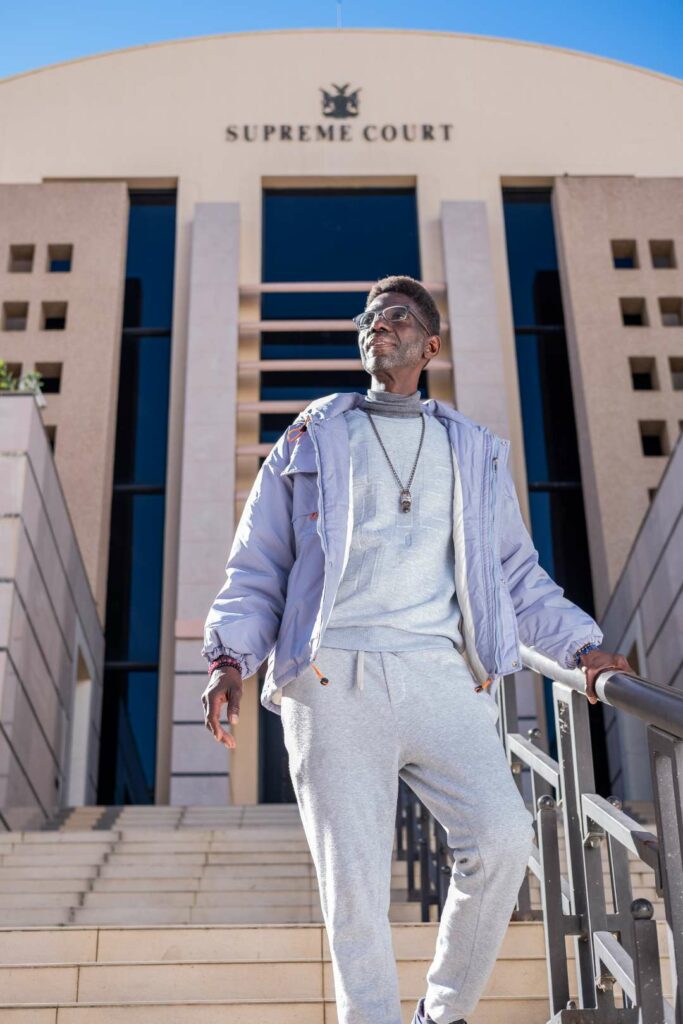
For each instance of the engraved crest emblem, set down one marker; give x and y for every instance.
(340, 103)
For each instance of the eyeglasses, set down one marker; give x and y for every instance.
(392, 315)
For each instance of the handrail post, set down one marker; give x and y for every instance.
(551, 897)
(646, 973)
(666, 772)
(576, 767)
(508, 722)
(425, 865)
(622, 890)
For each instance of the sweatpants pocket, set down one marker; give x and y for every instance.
(491, 704)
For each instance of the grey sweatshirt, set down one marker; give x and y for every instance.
(398, 587)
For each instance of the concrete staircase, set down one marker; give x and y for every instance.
(200, 915)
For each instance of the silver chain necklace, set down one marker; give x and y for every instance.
(405, 498)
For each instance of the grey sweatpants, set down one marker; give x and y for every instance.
(413, 714)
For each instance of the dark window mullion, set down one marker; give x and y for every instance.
(146, 332)
(540, 329)
(137, 488)
(554, 485)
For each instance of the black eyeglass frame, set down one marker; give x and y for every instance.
(381, 313)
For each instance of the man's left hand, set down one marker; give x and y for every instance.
(594, 662)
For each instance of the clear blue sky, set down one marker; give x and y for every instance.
(39, 32)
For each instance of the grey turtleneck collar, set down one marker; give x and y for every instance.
(387, 403)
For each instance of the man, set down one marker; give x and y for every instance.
(382, 554)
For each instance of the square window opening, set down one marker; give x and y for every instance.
(53, 316)
(671, 310)
(653, 437)
(14, 316)
(644, 373)
(59, 258)
(51, 374)
(21, 259)
(633, 312)
(662, 253)
(676, 367)
(624, 253)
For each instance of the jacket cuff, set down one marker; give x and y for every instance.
(216, 650)
(592, 643)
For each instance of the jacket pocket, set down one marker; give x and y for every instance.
(302, 459)
(305, 521)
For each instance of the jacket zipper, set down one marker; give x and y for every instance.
(489, 536)
(494, 579)
(485, 537)
(321, 531)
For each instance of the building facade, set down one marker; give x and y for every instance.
(187, 229)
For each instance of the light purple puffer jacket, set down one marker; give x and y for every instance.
(292, 543)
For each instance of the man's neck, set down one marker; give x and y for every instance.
(391, 403)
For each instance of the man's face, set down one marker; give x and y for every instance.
(385, 345)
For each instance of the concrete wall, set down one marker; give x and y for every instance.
(199, 769)
(644, 619)
(93, 219)
(51, 641)
(590, 213)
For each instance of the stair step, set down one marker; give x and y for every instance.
(191, 883)
(205, 898)
(235, 980)
(315, 1011)
(112, 870)
(109, 944)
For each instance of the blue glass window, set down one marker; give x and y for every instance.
(135, 578)
(350, 234)
(143, 409)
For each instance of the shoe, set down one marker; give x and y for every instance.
(420, 1017)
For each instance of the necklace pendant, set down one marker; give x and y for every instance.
(405, 500)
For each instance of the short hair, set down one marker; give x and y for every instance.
(414, 290)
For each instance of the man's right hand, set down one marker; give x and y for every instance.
(225, 687)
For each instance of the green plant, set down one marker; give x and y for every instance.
(31, 381)
(8, 382)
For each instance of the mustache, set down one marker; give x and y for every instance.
(379, 336)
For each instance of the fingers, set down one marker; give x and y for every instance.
(234, 699)
(618, 663)
(591, 676)
(212, 702)
(219, 732)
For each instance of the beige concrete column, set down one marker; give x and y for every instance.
(476, 344)
(199, 766)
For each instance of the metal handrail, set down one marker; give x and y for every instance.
(611, 947)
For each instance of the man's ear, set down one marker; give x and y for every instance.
(434, 349)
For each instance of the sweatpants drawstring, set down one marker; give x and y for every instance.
(359, 669)
(323, 679)
(360, 664)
